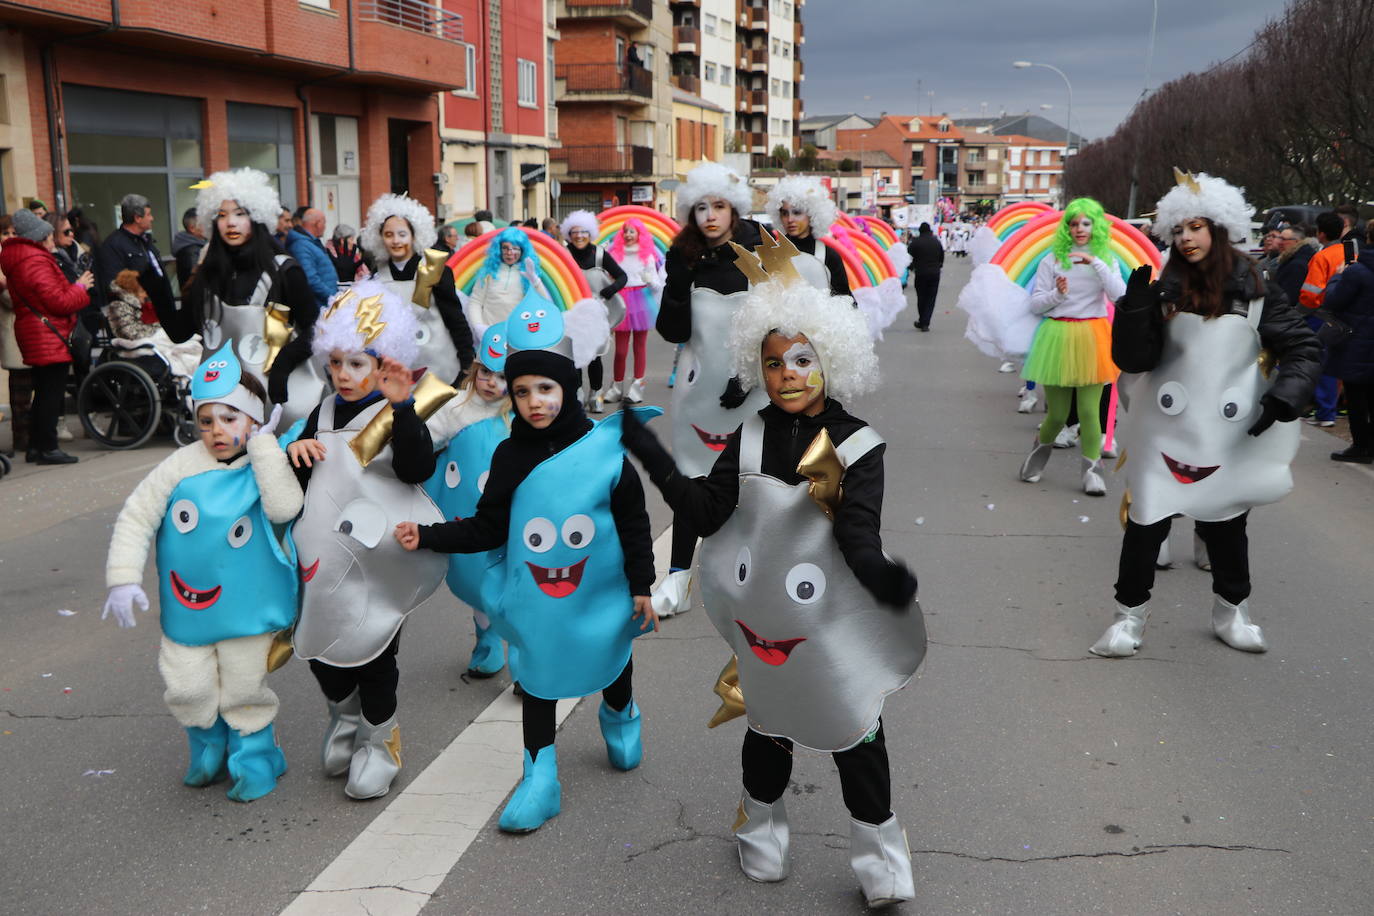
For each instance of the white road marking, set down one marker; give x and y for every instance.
(400, 859)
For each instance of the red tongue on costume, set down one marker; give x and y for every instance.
(770, 652)
(558, 583)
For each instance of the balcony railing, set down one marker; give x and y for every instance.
(615, 9)
(605, 160)
(754, 59)
(686, 35)
(605, 79)
(425, 18)
(688, 82)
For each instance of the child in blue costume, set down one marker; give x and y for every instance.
(467, 431)
(573, 579)
(225, 583)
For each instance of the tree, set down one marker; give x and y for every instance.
(780, 155)
(848, 165)
(808, 158)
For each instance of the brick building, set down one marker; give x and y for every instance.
(333, 98)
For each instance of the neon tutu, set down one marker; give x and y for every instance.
(1071, 354)
(641, 309)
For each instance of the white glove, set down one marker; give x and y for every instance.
(121, 601)
(530, 273)
(268, 428)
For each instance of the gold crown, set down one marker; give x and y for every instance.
(1187, 179)
(771, 259)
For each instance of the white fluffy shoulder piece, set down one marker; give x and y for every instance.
(588, 326)
(805, 193)
(251, 189)
(711, 179)
(408, 208)
(282, 497)
(1208, 196)
(461, 412)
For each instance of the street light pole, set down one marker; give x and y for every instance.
(1068, 129)
(1135, 159)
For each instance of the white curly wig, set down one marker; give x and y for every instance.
(806, 194)
(337, 328)
(711, 179)
(250, 189)
(837, 330)
(1222, 203)
(408, 208)
(580, 219)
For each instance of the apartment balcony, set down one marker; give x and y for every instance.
(694, 4)
(603, 161)
(633, 14)
(754, 59)
(753, 101)
(688, 82)
(686, 39)
(758, 142)
(410, 42)
(603, 83)
(754, 18)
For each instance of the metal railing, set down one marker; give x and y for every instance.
(644, 8)
(415, 15)
(607, 159)
(686, 35)
(688, 82)
(605, 78)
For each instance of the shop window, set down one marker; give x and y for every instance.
(263, 137)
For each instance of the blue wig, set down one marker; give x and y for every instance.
(492, 265)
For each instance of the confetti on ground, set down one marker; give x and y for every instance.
(66, 690)
(921, 520)
(64, 612)
(98, 773)
(49, 674)
(992, 506)
(1083, 519)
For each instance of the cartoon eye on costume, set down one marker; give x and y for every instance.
(482, 481)
(240, 532)
(452, 476)
(692, 372)
(496, 338)
(578, 531)
(526, 315)
(805, 583)
(363, 521)
(1172, 398)
(743, 564)
(422, 335)
(541, 314)
(1235, 404)
(540, 535)
(185, 515)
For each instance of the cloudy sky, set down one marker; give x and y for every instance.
(867, 55)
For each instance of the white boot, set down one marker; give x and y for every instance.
(1109, 449)
(674, 594)
(636, 392)
(1007, 366)
(762, 836)
(1122, 638)
(1231, 622)
(1165, 560)
(1028, 401)
(881, 861)
(1093, 484)
(613, 393)
(1067, 438)
(1035, 462)
(376, 761)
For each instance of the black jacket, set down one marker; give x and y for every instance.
(1351, 300)
(927, 254)
(122, 250)
(1138, 335)
(834, 264)
(713, 270)
(412, 449)
(445, 295)
(585, 258)
(1292, 271)
(186, 248)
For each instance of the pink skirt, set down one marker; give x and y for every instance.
(641, 309)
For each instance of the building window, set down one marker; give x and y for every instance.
(263, 137)
(726, 74)
(708, 24)
(529, 83)
(775, 86)
(786, 10)
(787, 49)
(318, 4)
(469, 72)
(710, 71)
(777, 46)
(992, 154)
(1015, 153)
(943, 126)
(774, 126)
(1016, 181)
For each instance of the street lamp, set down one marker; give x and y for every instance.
(1135, 159)
(1068, 129)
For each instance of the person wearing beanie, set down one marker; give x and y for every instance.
(226, 584)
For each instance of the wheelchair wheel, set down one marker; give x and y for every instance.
(184, 431)
(5, 466)
(119, 405)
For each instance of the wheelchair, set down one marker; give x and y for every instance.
(130, 393)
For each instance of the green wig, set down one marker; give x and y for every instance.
(1100, 242)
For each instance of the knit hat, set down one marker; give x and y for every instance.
(31, 227)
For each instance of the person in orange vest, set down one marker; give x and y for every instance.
(1324, 265)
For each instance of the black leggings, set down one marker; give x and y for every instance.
(596, 375)
(1228, 549)
(49, 393)
(684, 544)
(538, 717)
(375, 682)
(865, 780)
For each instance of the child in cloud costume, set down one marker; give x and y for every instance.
(364, 456)
(568, 509)
(467, 430)
(1203, 397)
(226, 584)
(822, 622)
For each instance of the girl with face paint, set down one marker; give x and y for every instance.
(801, 210)
(226, 584)
(634, 250)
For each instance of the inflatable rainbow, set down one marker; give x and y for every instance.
(865, 260)
(879, 229)
(1021, 254)
(662, 227)
(1013, 216)
(560, 275)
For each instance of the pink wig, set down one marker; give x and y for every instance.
(648, 251)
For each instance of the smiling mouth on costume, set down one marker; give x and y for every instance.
(1187, 473)
(211, 374)
(768, 651)
(493, 354)
(558, 583)
(195, 600)
(533, 327)
(714, 442)
(308, 572)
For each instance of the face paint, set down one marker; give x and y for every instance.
(792, 374)
(353, 374)
(1081, 230)
(222, 429)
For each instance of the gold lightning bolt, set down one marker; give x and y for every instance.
(393, 744)
(370, 323)
(771, 259)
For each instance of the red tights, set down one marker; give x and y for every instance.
(622, 345)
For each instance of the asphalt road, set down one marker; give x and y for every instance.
(1031, 777)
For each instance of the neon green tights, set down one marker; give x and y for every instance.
(1057, 402)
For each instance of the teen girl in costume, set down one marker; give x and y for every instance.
(800, 208)
(509, 272)
(634, 250)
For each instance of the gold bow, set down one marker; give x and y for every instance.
(276, 330)
(731, 697)
(427, 273)
(821, 463)
(430, 394)
(279, 652)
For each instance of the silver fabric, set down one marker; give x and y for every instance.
(817, 654)
(244, 324)
(1035, 462)
(376, 761)
(881, 861)
(762, 835)
(437, 350)
(1233, 626)
(339, 737)
(700, 424)
(1093, 484)
(674, 594)
(1123, 637)
(812, 267)
(1186, 422)
(365, 583)
(598, 279)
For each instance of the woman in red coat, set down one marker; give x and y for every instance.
(45, 307)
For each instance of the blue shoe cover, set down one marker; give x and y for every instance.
(209, 747)
(538, 797)
(488, 655)
(255, 762)
(621, 731)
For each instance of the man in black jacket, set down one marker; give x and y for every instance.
(186, 247)
(130, 247)
(927, 258)
(1295, 252)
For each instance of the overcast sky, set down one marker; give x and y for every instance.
(963, 49)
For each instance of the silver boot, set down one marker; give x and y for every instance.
(762, 836)
(1231, 622)
(1093, 484)
(881, 861)
(344, 717)
(1123, 636)
(376, 761)
(1035, 462)
(674, 594)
